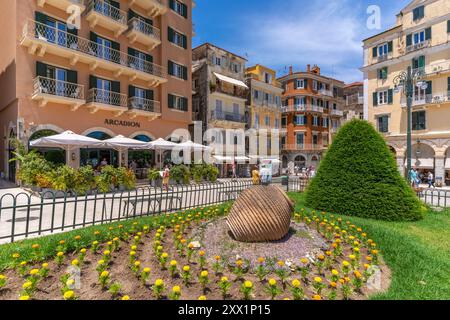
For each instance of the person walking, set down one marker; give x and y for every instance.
(413, 177)
(431, 180)
(255, 176)
(166, 178)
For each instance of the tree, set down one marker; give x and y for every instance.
(359, 177)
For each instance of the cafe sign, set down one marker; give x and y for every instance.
(122, 123)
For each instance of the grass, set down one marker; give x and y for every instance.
(49, 244)
(416, 252)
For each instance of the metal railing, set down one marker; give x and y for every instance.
(436, 198)
(337, 113)
(325, 92)
(137, 24)
(144, 104)
(435, 98)
(107, 97)
(437, 67)
(303, 147)
(418, 46)
(42, 32)
(107, 10)
(23, 215)
(227, 116)
(43, 85)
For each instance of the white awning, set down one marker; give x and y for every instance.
(229, 159)
(447, 164)
(241, 159)
(422, 163)
(235, 82)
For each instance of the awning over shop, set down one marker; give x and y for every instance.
(230, 159)
(235, 82)
(422, 163)
(447, 164)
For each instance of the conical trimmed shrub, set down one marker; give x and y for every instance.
(359, 177)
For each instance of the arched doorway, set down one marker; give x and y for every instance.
(94, 157)
(141, 160)
(54, 155)
(314, 161)
(284, 162)
(300, 162)
(423, 159)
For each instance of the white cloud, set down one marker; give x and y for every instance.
(326, 33)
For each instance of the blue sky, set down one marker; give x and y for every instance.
(280, 33)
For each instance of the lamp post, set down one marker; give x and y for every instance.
(407, 81)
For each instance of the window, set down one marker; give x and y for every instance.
(256, 121)
(179, 8)
(316, 121)
(315, 139)
(219, 106)
(325, 122)
(177, 70)
(300, 84)
(383, 124)
(418, 63)
(314, 85)
(383, 49)
(177, 38)
(418, 13)
(300, 120)
(178, 103)
(217, 61)
(284, 122)
(256, 94)
(267, 120)
(419, 120)
(419, 37)
(278, 101)
(236, 110)
(383, 73)
(235, 67)
(300, 139)
(383, 97)
(267, 77)
(448, 26)
(277, 123)
(300, 101)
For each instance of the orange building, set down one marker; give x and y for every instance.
(312, 112)
(125, 68)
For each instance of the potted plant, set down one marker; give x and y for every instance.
(107, 180)
(154, 177)
(197, 173)
(126, 179)
(84, 180)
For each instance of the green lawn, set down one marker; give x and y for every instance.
(418, 253)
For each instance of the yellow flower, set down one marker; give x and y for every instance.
(333, 284)
(132, 253)
(25, 297)
(35, 246)
(125, 298)
(133, 248)
(248, 284)
(202, 298)
(321, 257)
(352, 257)
(239, 263)
(34, 272)
(173, 263)
(318, 279)
(357, 274)
(217, 258)
(272, 282)
(70, 282)
(159, 282)
(2, 277)
(304, 260)
(176, 289)
(345, 263)
(45, 265)
(374, 252)
(27, 285)
(147, 270)
(106, 252)
(369, 258)
(224, 279)
(104, 274)
(280, 263)
(164, 255)
(83, 250)
(75, 262)
(69, 295)
(60, 254)
(77, 237)
(137, 263)
(204, 274)
(95, 243)
(335, 272)
(201, 253)
(366, 266)
(186, 268)
(261, 260)
(101, 262)
(295, 283)
(16, 255)
(356, 249)
(317, 297)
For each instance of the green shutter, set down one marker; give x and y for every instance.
(429, 89)
(171, 101)
(72, 76)
(448, 26)
(185, 73)
(184, 9)
(409, 40)
(92, 82)
(390, 96)
(390, 46)
(172, 4)
(41, 69)
(149, 94)
(184, 41)
(375, 99)
(374, 52)
(148, 58)
(115, 55)
(40, 17)
(93, 37)
(131, 91)
(422, 62)
(170, 34)
(428, 33)
(170, 67)
(131, 51)
(305, 83)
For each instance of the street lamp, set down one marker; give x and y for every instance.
(407, 81)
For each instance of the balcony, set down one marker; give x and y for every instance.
(63, 5)
(337, 113)
(47, 90)
(303, 147)
(327, 93)
(294, 108)
(438, 68)
(354, 99)
(41, 39)
(315, 108)
(98, 99)
(144, 33)
(153, 8)
(143, 107)
(436, 98)
(235, 91)
(101, 13)
(418, 46)
(227, 117)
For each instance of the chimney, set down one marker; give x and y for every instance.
(290, 71)
(308, 68)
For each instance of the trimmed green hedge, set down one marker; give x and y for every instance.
(359, 177)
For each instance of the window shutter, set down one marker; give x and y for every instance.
(185, 73)
(448, 26)
(115, 86)
(409, 40)
(41, 69)
(115, 55)
(170, 34)
(390, 46)
(184, 10)
(184, 41)
(390, 96)
(131, 14)
(422, 62)
(305, 83)
(170, 67)
(92, 82)
(171, 101)
(374, 52)
(131, 51)
(40, 17)
(429, 87)
(131, 91)
(375, 99)
(172, 4)
(115, 4)
(148, 58)
(428, 33)
(72, 76)
(149, 95)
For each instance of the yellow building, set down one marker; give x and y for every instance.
(264, 106)
(420, 40)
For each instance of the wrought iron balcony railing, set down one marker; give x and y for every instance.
(137, 103)
(138, 25)
(43, 85)
(107, 10)
(227, 116)
(99, 96)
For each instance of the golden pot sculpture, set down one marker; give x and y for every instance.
(261, 214)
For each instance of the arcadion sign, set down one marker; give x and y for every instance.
(122, 123)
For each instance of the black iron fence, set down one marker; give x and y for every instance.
(23, 215)
(437, 198)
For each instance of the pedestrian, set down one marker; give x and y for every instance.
(255, 176)
(431, 180)
(413, 177)
(166, 178)
(233, 168)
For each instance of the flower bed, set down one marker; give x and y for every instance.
(160, 259)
